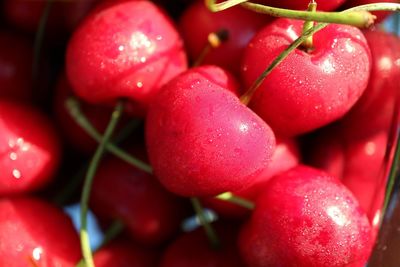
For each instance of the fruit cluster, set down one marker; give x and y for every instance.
(199, 133)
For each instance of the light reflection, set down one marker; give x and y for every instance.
(327, 66)
(337, 215)
(243, 127)
(16, 173)
(385, 63)
(370, 148)
(292, 33)
(37, 253)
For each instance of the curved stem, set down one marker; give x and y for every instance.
(84, 236)
(212, 236)
(37, 46)
(229, 197)
(358, 18)
(214, 40)
(74, 110)
(246, 97)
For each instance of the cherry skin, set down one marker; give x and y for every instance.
(151, 214)
(35, 233)
(285, 156)
(375, 109)
(201, 140)
(30, 149)
(325, 5)
(127, 49)
(122, 253)
(193, 249)
(306, 218)
(15, 67)
(240, 25)
(308, 89)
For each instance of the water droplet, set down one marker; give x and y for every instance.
(37, 253)
(139, 84)
(121, 48)
(159, 37)
(13, 156)
(16, 173)
(143, 59)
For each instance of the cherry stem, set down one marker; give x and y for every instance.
(230, 197)
(114, 230)
(38, 42)
(210, 232)
(308, 24)
(246, 97)
(84, 236)
(214, 40)
(74, 110)
(357, 18)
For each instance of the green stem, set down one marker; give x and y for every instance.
(210, 232)
(229, 197)
(308, 24)
(74, 110)
(357, 18)
(246, 97)
(114, 230)
(84, 236)
(37, 46)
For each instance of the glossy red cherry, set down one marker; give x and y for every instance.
(325, 5)
(127, 49)
(306, 218)
(285, 157)
(201, 139)
(193, 249)
(15, 66)
(35, 233)
(375, 109)
(308, 89)
(150, 213)
(121, 253)
(30, 149)
(239, 24)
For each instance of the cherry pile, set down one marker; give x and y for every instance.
(197, 138)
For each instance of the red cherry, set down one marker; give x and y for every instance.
(382, 93)
(308, 89)
(201, 139)
(124, 254)
(240, 24)
(306, 218)
(29, 148)
(193, 249)
(35, 233)
(285, 156)
(150, 213)
(125, 50)
(325, 5)
(15, 66)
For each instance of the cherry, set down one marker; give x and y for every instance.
(150, 213)
(325, 5)
(192, 249)
(127, 49)
(201, 139)
(15, 66)
(35, 233)
(285, 156)
(306, 218)
(122, 253)
(239, 24)
(29, 148)
(308, 89)
(382, 92)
